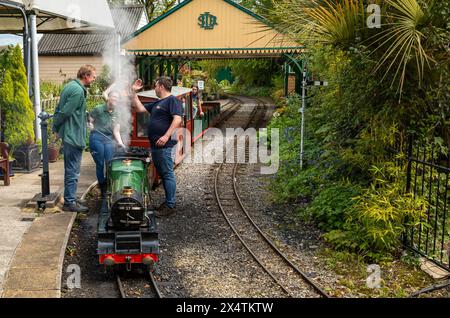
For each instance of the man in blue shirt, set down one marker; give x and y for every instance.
(165, 118)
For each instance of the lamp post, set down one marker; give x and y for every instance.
(305, 84)
(45, 198)
(45, 180)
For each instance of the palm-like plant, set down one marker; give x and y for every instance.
(400, 45)
(402, 39)
(325, 21)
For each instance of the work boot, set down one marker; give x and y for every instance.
(75, 207)
(164, 210)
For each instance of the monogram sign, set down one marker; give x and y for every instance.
(207, 21)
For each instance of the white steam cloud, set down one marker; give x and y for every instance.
(123, 69)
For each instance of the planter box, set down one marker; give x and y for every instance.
(27, 158)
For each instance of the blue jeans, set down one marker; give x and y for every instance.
(72, 164)
(163, 160)
(102, 150)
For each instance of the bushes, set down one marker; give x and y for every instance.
(380, 215)
(332, 204)
(102, 82)
(253, 77)
(17, 110)
(50, 90)
(353, 191)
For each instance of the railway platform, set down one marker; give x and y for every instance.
(32, 246)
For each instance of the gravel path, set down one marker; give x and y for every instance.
(201, 256)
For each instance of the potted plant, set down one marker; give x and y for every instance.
(53, 147)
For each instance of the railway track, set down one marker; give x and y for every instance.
(150, 278)
(271, 259)
(229, 112)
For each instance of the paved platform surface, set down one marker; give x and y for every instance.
(32, 251)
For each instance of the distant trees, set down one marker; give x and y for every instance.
(153, 8)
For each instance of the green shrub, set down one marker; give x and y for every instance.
(380, 216)
(50, 90)
(330, 207)
(15, 105)
(102, 82)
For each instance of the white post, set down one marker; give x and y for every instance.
(36, 87)
(302, 110)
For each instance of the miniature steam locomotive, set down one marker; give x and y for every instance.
(127, 226)
(127, 232)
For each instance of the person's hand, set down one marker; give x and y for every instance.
(137, 85)
(162, 141)
(122, 147)
(202, 114)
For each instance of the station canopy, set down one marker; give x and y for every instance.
(61, 16)
(209, 29)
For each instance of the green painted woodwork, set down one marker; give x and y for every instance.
(133, 175)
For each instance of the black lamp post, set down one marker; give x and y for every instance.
(45, 180)
(45, 196)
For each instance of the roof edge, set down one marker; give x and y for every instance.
(182, 4)
(152, 23)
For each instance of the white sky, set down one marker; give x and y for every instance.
(6, 39)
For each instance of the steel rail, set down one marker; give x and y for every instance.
(155, 285)
(270, 242)
(263, 235)
(239, 236)
(151, 278)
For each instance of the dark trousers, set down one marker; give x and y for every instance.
(163, 160)
(72, 164)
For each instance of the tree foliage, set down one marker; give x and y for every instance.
(16, 107)
(411, 40)
(153, 8)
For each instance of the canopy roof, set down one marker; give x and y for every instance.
(58, 16)
(127, 18)
(210, 28)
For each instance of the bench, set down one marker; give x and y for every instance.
(4, 162)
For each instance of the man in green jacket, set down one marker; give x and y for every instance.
(69, 123)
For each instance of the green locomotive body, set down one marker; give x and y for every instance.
(127, 226)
